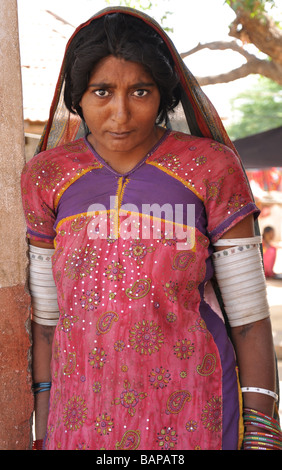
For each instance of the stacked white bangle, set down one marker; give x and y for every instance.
(240, 276)
(238, 241)
(45, 310)
(260, 390)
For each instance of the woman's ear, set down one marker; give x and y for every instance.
(78, 110)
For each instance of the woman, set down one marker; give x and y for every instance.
(269, 251)
(141, 358)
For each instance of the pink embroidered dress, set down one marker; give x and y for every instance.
(141, 356)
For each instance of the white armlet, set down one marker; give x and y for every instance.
(238, 241)
(45, 310)
(240, 276)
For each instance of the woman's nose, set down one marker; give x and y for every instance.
(121, 111)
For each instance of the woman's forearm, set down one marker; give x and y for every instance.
(42, 353)
(256, 361)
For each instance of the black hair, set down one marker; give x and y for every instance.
(126, 37)
(268, 229)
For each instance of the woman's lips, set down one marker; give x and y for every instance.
(120, 135)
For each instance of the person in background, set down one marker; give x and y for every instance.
(269, 253)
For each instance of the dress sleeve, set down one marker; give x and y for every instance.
(38, 198)
(227, 194)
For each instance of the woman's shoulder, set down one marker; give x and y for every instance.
(65, 160)
(51, 169)
(199, 152)
(61, 153)
(199, 162)
(187, 142)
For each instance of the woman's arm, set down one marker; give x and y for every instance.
(42, 339)
(253, 345)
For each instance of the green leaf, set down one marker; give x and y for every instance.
(257, 109)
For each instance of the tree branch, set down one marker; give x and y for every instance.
(235, 74)
(256, 66)
(222, 46)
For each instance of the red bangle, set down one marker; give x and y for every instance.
(38, 444)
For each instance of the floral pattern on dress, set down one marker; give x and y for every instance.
(138, 251)
(146, 337)
(75, 413)
(212, 414)
(46, 175)
(80, 263)
(129, 398)
(159, 378)
(103, 424)
(167, 439)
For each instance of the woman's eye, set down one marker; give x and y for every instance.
(101, 93)
(140, 93)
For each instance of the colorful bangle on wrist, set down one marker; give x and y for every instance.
(264, 440)
(41, 387)
(270, 436)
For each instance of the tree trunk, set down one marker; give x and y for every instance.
(259, 30)
(249, 27)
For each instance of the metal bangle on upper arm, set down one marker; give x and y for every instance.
(240, 276)
(45, 310)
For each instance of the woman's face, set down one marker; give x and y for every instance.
(269, 236)
(120, 107)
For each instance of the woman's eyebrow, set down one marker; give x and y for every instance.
(143, 85)
(100, 85)
(110, 85)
